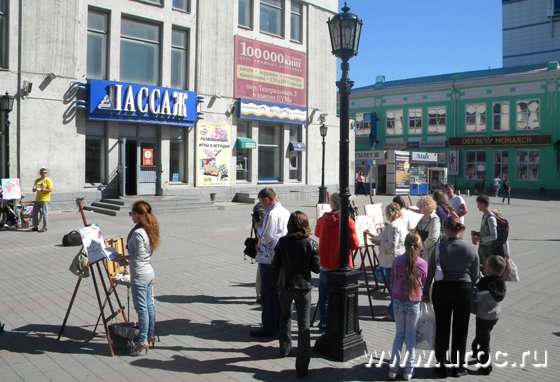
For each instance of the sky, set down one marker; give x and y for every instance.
(404, 39)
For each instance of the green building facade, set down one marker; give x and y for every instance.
(485, 124)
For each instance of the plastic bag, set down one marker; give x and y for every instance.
(511, 273)
(426, 327)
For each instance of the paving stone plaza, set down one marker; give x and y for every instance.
(205, 301)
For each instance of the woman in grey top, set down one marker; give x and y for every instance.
(141, 241)
(452, 296)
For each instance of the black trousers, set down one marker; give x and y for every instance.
(269, 298)
(452, 299)
(481, 343)
(302, 299)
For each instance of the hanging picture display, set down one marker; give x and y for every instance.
(402, 167)
(213, 154)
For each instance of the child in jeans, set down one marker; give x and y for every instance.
(486, 305)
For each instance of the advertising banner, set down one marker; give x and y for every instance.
(213, 154)
(402, 165)
(147, 157)
(266, 72)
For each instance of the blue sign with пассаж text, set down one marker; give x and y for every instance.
(127, 102)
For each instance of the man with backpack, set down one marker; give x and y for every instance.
(493, 231)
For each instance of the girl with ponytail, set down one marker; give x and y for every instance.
(140, 243)
(408, 274)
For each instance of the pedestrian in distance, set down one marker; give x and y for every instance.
(496, 184)
(408, 275)
(491, 290)
(43, 186)
(360, 184)
(456, 202)
(273, 227)
(141, 242)
(452, 296)
(296, 256)
(507, 191)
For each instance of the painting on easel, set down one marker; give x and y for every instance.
(94, 245)
(364, 223)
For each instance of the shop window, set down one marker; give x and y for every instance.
(295, 156)
(415, 121)
(179, 56)
(271, 16)
(527, 165)
(296, 21)
(269, 153)
(500, 116)
(4, 33)
(182, 5)
(95, 160)
(177, 155)
(475, 115)
(528, 115)
(501, 164)
(475, 164)
(394, 122)
(245, 13)
(97, 44)
(140, 47)
(437, 120)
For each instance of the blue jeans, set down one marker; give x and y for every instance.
(407, 314)
(387, 274)
(144, 305)
(323, 300)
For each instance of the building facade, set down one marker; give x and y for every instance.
(152, 97)
(475, 125)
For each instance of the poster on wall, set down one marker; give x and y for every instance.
(213, 155)
(147, 157)
(402, 165)
(453, 162)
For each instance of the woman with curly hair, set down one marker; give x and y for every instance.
(429, 225)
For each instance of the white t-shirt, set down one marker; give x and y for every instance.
(455, 203)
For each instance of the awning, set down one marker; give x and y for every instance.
(296, 146)
(246, 143)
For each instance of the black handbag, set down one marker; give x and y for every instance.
(122, 336)
(72, 239)
(251, 245)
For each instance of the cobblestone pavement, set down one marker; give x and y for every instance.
(206, 306)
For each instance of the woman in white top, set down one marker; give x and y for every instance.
(391, 244)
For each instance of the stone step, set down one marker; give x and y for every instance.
(108, 206)
(246, 197)
(117, 202)
(100, 210)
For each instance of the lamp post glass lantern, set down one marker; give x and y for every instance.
(323, 190)
(342, 340)
(6, 105)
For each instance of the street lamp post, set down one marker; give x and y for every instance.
(6, 105)
(323, 190)
(342, 340)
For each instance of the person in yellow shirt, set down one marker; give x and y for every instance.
(43, 186)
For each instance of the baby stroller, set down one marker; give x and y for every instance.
(8, 215)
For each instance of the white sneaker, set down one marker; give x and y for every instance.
(392, 375)
(407, 377)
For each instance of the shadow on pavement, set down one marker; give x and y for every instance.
(184, 299)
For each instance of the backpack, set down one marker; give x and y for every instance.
(72, 239)
(503, 229)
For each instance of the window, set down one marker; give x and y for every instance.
(295, 156)
(182, 5)
(176, 154)
(528, 115)
(97, 45)
(95, 153)
(140, 52)
(527, 165)
(159, 2)
(394, 123)
(269, 153)
(475, 164)
(245, 13)
(501, 164)
(296, 21)
(415, 121)
(3, 33)
(436, 120)
(500, 116)
(179, 59)
(271, 17)
(475, 117)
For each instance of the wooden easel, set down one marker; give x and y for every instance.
(368, 265)
(115, 310)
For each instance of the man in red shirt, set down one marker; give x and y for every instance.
(327, 230)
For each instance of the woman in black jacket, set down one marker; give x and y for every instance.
(296, 256)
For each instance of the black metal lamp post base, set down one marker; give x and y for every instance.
(322, 195)
(343, 339)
